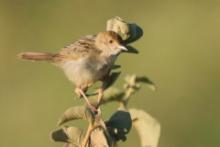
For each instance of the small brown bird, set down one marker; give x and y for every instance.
(86, 61)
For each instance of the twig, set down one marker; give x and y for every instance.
(88, 132)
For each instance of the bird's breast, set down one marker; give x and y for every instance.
(87, 70)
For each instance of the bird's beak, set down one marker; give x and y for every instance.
(123, 48)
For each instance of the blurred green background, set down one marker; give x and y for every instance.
(180, 52)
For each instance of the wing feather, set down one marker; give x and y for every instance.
(84, 47)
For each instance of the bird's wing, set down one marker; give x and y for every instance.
(84, 47)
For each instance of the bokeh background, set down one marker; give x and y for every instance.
(180, 52)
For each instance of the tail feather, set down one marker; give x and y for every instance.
(37, 56)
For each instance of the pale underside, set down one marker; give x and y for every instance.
(82, 63)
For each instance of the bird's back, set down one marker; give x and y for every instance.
(82, 48)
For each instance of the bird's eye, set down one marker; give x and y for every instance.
(110, 41)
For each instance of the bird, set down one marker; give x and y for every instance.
(85, 61)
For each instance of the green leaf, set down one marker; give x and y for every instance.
(112, 94)
(146, 80)
(131, 49)
(119, 26)
(70, 135)
(133, 81)
(119, 124)
(130, 80)
(111, 79)
(115, 66)
(129, 32)
(135, 33)
(77, 112)
(73, 137)
(70, 145)
(60, 135)
(147, 127)
(98, 138)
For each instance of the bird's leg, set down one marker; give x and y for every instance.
(100, 95)
(81, 92)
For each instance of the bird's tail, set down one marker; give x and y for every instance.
(37, 56)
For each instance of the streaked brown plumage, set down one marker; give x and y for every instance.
(86, 61)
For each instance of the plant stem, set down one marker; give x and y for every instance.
(88, 132)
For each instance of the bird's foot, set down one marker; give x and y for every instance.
(89, 105)
(92, 108)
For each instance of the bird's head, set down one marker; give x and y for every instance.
(110, 43)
